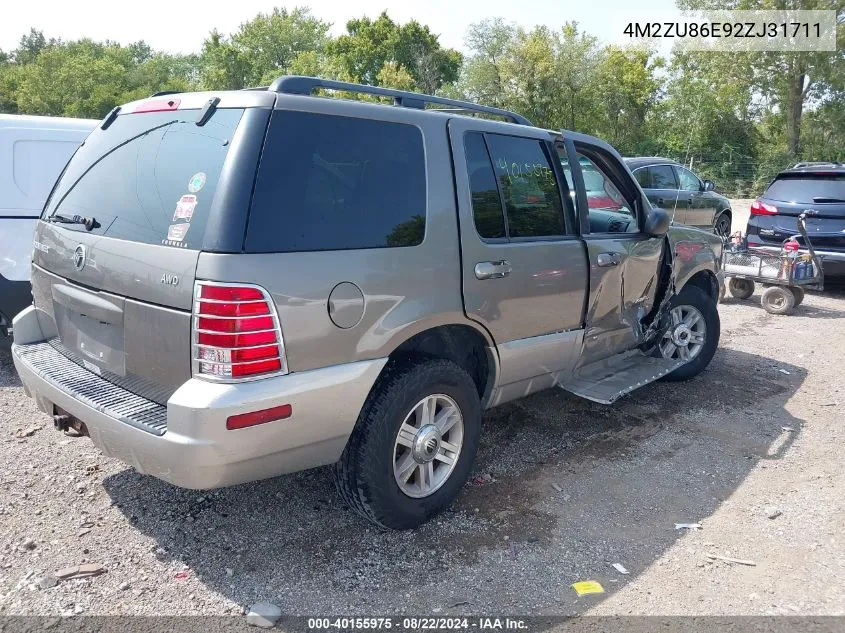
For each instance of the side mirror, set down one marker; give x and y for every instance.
(709, 185)
(657, 222)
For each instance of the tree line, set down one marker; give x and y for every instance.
(737, 117)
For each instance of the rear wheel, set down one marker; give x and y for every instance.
(722, 228)
(413, 446)
(777, 300)
(798, 293)
(741, 288)
(693, 332)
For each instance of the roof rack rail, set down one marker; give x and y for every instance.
(298, 85)
(161, 93)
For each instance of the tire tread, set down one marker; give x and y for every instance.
(356, 474)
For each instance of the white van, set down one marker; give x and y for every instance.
(33, 152)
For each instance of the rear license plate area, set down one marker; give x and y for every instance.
(100, 345)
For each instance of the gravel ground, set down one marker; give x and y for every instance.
(563, 488)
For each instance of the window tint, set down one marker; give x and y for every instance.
(148, 177)
(807, 187)
(332, 183)
(661, 177)
(608, 210)
(688, 180)
(641, 175)
(528, 186)
(486, 204)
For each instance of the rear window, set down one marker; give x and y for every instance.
(149, 177)
(808, 188)
(333, 183)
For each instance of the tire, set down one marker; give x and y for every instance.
(777, 300)
(798, 293)
(699, 300)
(365, 477)
(741, 288)
(722, 225)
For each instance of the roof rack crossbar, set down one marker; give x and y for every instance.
(297, 85)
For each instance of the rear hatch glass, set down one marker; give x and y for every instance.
(148, 178)
(809, 189)
(121, 293)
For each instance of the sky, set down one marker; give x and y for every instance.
(180, 26)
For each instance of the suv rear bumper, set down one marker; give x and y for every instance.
(194, 449)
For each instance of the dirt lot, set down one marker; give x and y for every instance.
(759, 435)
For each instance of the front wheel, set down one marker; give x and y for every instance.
(798, 293)
(414, 443)
(692, 334)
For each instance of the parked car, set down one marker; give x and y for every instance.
(233, 285)
(672, 186)
(33, 152)
(819, 192)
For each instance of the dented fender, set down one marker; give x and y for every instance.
(693, 250)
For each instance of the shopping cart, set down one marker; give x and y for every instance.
(785, 272)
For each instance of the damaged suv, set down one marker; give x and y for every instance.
(231, 286)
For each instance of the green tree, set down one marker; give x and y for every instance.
(709, 115)
(791, 80)
(823, 134)
(30, 46)
(81, 79)
(393, 75)
(489, 42)
(87, 79)
(530, 73)
(578, 59)
(262, 49)
(368, 45)
(627, 89)
(9, 80)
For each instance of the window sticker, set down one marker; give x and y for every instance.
(197, 182)
(185, 208)
(177, 232)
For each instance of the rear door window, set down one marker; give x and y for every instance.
(528, 186)
(661, 177)
(808, 188)
(486, 204)
(329, 182)
(148, 177)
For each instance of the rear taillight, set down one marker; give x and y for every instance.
(762, 208)
(236, 332)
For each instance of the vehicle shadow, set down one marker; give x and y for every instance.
(562, 487)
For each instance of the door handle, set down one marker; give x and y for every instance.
(606, 260)
(492, 270)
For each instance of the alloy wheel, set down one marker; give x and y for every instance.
(428, 445)
(684, 339)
